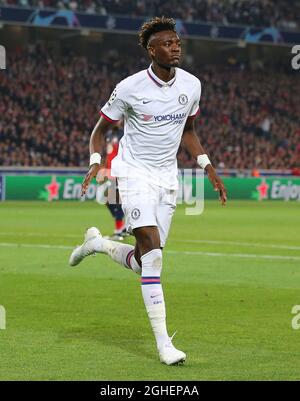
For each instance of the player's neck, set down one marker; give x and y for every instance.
(163, 73)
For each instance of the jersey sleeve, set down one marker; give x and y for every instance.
(196, 100)
(115, 107)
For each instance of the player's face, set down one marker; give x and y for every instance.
(165, 49)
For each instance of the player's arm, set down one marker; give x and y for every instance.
(191, 143)
(96, 148)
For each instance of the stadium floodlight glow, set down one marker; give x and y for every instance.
(2, 58)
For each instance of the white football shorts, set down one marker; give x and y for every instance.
(146, 204)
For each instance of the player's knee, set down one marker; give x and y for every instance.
(137, 255)
(152, 262)
(147, 239)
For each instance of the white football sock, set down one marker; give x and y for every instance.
(120, 253)
(153, 295)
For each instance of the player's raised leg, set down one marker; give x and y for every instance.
(95, 243)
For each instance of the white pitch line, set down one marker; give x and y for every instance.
(238, 255)
(200, 241)
(19, 234)
(46, 246)
(191, 253)
(191, 241)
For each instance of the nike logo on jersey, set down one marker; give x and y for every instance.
(146, 101)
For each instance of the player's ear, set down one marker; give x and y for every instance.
(151, 51)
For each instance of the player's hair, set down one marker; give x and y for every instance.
(156, 24)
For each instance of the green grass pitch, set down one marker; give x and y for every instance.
(231, 277)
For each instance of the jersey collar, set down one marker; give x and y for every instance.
(158, 81)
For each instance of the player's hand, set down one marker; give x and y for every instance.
(93, 171)
(102, 175)
(217, 184)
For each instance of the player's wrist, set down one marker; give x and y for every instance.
(203, 161)
(210, 169)
(95, 158)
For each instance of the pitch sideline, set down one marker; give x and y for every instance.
(188, 253)
(196, 241)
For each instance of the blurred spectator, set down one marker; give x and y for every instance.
(255, 173)
(296, 171)
(48, 108)
(285, 14)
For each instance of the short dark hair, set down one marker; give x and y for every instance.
(156, 24)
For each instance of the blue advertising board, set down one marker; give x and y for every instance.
(109, 23)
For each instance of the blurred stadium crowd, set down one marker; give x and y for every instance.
(48, 107)
(246, 12)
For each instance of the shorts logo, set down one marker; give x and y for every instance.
(135, 214)
(183, 99)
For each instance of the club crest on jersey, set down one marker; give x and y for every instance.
(135, 214)
(183, 99)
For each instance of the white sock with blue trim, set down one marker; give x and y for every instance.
(153, 295)
(121, 253)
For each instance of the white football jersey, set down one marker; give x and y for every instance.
(155, 113)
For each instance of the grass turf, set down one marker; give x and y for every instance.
(231, 277)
